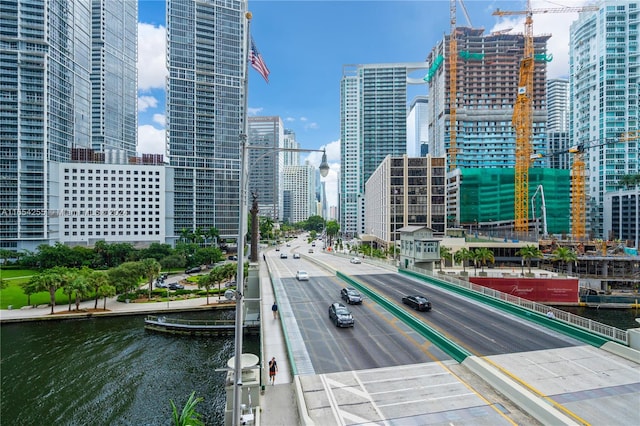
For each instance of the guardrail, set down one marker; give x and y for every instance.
(596, 331)
(450, 348)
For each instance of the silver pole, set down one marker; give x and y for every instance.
(237, 369)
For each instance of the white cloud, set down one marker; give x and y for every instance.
(152, 67)
(556, 24)
(303, 118)
(289, 119)
(145, 102)
(252, 112)
(160, 119)
(151, 140)
(311, 126)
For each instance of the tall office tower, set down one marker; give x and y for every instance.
(417, 126)
(290, 142)
(114, 109)
(604, 64)
(266, 165)
(299, 193)
(373, 124)
(47, 59)
(487, 86)
(205, 111)
(558, 123)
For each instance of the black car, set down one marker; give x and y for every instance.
(351, 296)
(340, 315)
(176, 286)
(283, 255)
(418, 302)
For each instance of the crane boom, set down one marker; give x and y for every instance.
(523, 112)
(453, 74)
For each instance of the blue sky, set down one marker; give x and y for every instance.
(306, 43)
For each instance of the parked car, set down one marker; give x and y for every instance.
(277, 248)
(302, 276)
(233, 257)
(355, 260)
(313, 244)
(310, 250)
(283, 255)
(351, 296)
(418, 302)
(288, 245)
(161, 284)
(340, 315)
(176, 286)
(296, 255)
(193, 270)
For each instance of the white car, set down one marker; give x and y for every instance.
(355, 260)
(302, 276)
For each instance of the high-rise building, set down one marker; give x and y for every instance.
(604, 89)
(266, 163)
(205, 111)
(558, 123)
(51, 55)
(373, 124)
(405, 191)
(417, 126)
(487, 85)
(299, 185)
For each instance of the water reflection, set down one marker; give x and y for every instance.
(110, 371)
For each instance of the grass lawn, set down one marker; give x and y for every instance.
(14, 296)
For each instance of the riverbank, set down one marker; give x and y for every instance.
(113, 308)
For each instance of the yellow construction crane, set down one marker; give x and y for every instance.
(453, 81)
(579, 180)
(523, 111)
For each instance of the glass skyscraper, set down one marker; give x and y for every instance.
(604, 88)
(48, 57)
(373, 124)
(205, 111)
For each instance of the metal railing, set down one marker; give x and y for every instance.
(603, 330)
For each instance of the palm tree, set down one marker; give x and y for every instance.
(186, 235)
(188, 416)
(461, 256)
(530, 252)
(80, 285)
(564, 255)
(207, 281)
(151, 270)
(483, 255)
(97, 279)
(445, 254)
(106, 290)
(50, 280)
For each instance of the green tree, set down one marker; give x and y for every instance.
(207, 281)
(566, 256)
(483, 256)
(332, 229)
(173, 261)
(80, 285)
(95, 280)
(28, 288)
(462, 256)
(126, 277)
(105, 290)
(50, 280)
(314, 223)
(529, 252)
(150, 270)
(266, 228)
(445, 254)
(186, 236)
(188, 416)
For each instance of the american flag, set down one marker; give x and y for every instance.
(257, 62)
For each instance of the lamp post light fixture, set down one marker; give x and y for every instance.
(242, 231)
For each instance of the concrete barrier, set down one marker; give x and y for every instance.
(625, 352)
(518, 394)
(302, 405)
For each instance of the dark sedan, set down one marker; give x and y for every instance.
(351, 296)
(418, 302)
(340, 315)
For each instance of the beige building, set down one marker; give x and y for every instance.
(404, 191)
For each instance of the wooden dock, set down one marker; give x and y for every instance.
(198, 327)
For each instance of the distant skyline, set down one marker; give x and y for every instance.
(305, 45)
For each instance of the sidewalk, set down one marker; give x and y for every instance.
(279, 403)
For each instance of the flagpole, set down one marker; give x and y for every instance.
(239, 322)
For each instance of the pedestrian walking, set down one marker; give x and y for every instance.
(274, 309)
(273, 369)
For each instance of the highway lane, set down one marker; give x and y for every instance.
(377, 340)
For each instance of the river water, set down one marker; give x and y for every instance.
(110, 371)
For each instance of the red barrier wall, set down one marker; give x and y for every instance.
(543, 290)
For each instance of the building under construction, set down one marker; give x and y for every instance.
(487, 85)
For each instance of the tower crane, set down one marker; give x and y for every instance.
(522, 119)
(453, 80)
(578, 181)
